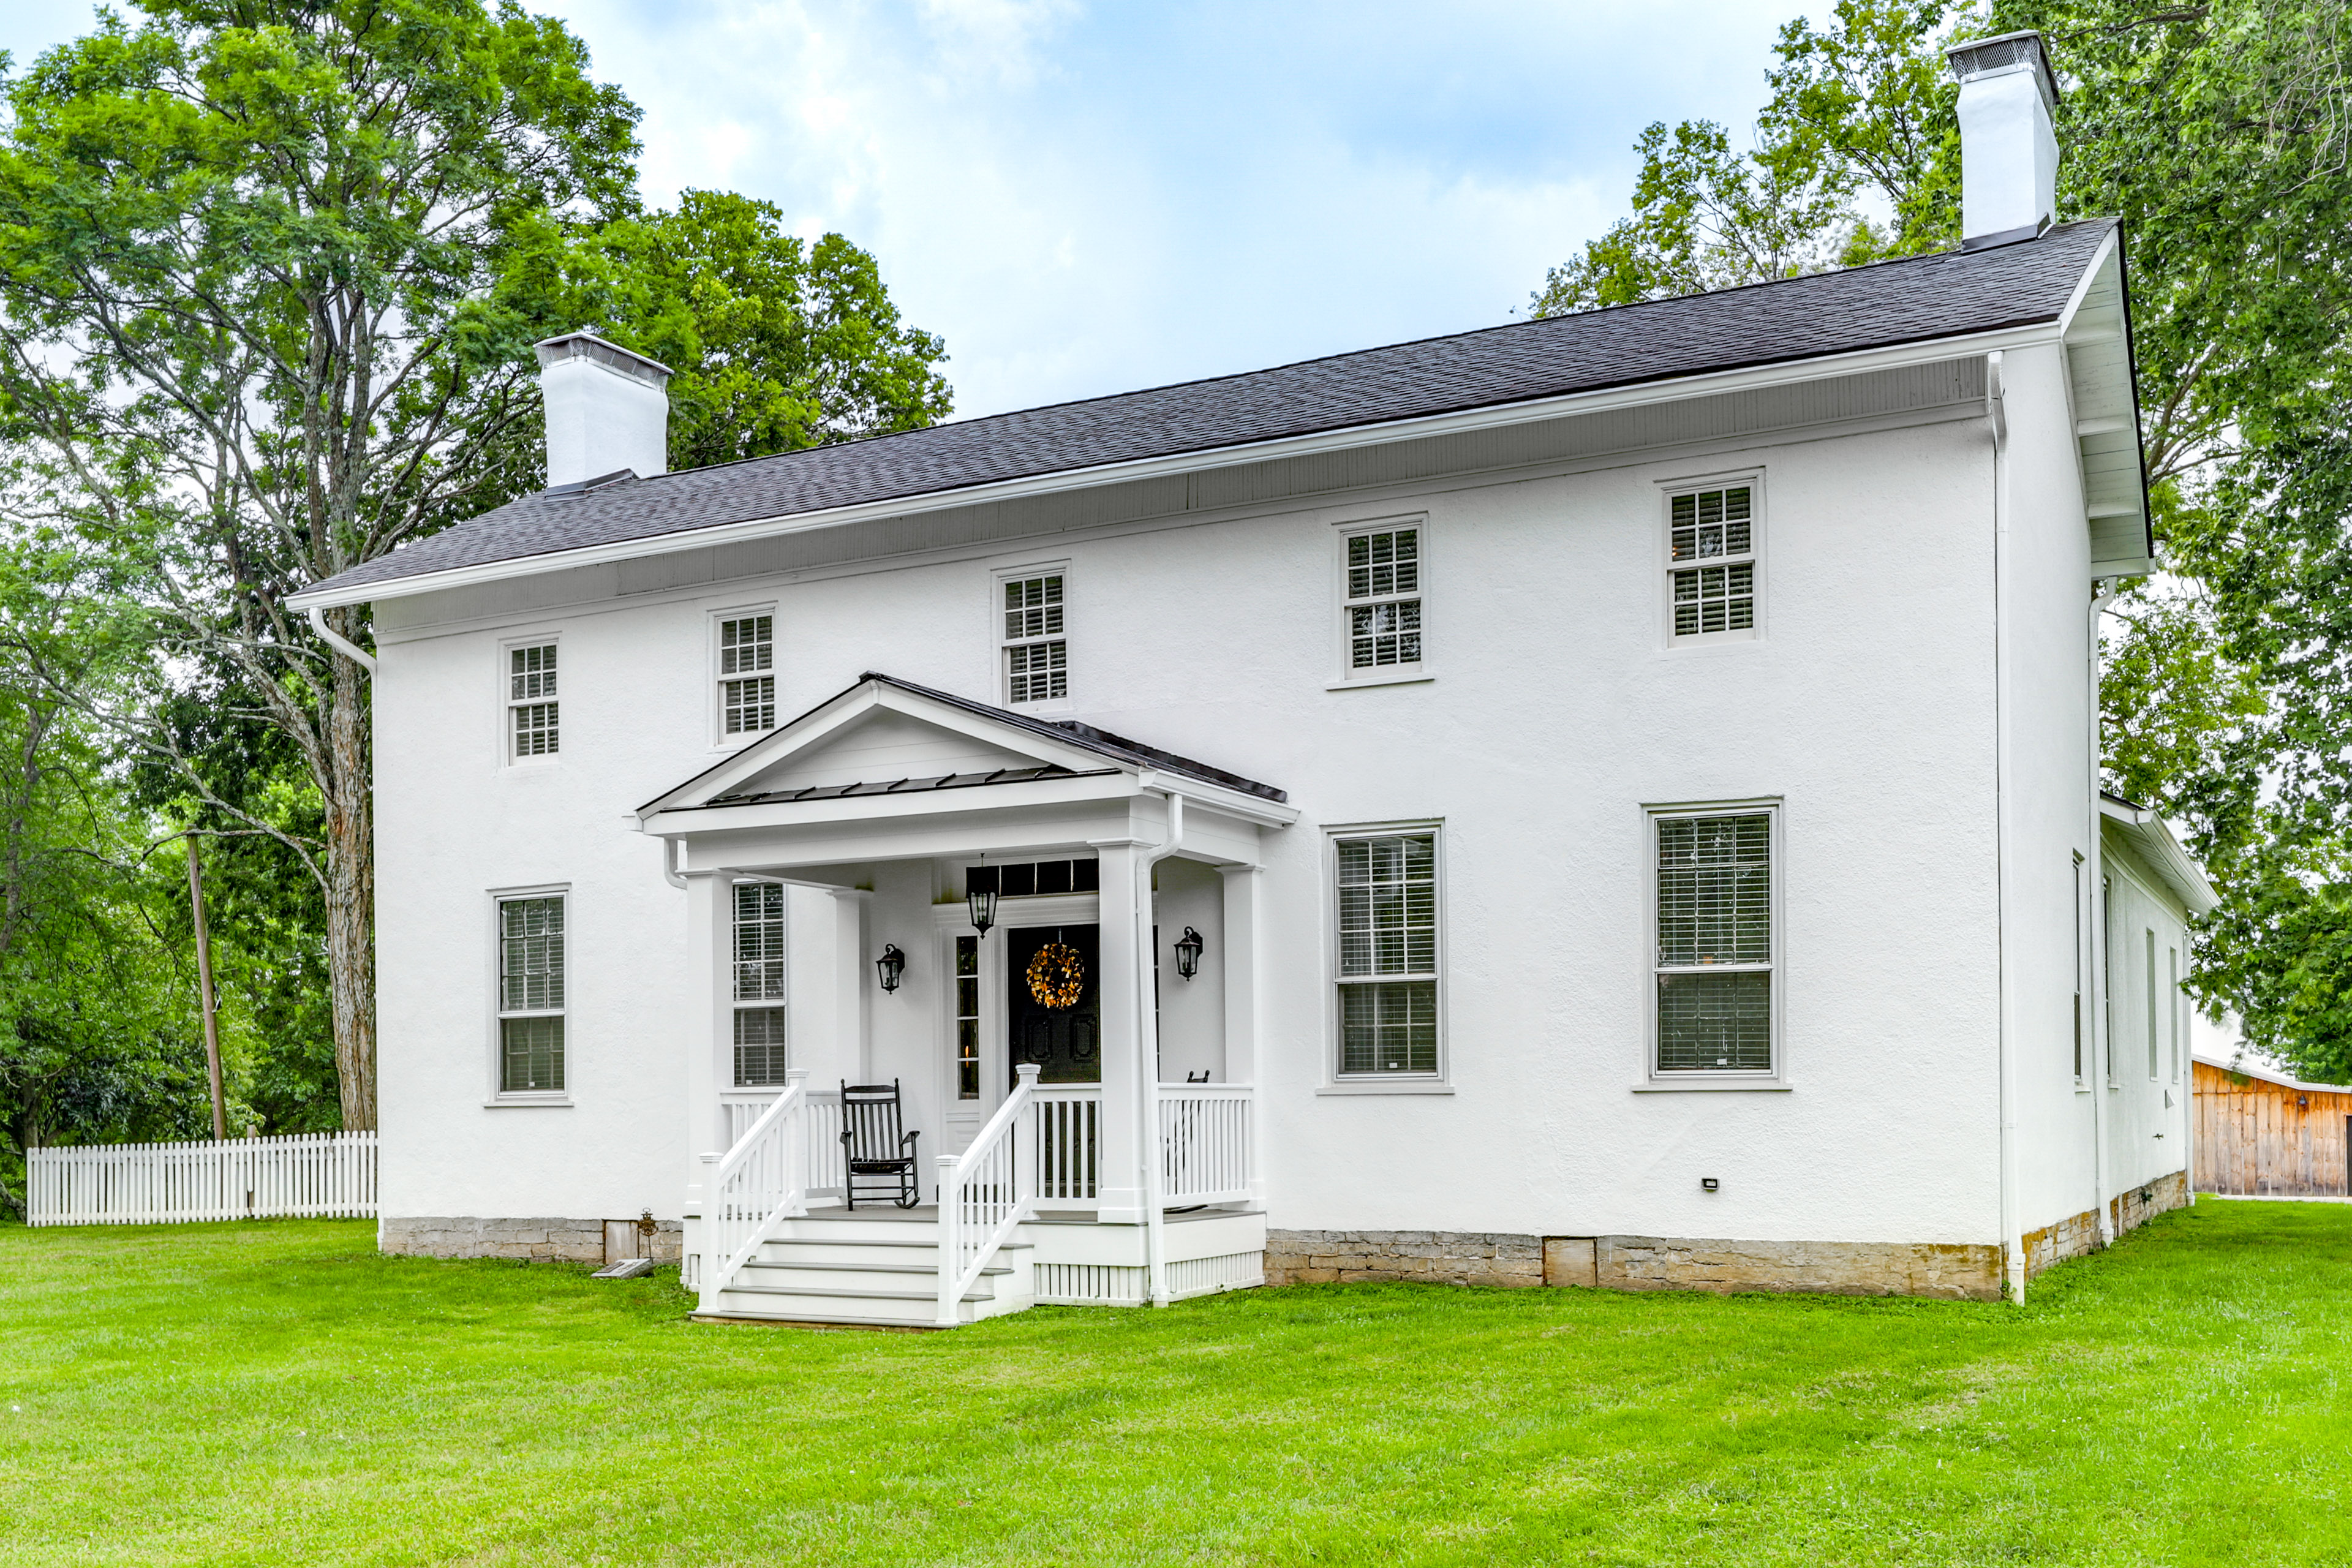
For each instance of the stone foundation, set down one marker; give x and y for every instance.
(1633, 1262)
(549, 1240)
(2078, 1234)
(1431, 1257)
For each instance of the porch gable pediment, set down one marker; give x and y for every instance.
(875, 734)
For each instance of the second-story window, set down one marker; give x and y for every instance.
(747, 684)
(1711, 561)
(1036, 656)
(531, 702)
(1383, 600)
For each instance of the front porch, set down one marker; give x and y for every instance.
(1078, 1086)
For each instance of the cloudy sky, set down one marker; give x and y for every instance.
(1088, 198)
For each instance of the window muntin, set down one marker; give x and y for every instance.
(1034, 879)
(1711, 569)
(760, 1056)
(747, 686)
(531, 996)
(531, 716)
(967, 1018)
(1037, 654)
(1713, 954)
(1383, 599)
(1387, 889)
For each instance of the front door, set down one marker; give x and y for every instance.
(1055, 1018)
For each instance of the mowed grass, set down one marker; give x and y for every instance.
(277, 1392)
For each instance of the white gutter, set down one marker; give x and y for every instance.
(1677, 390)
(2103, 593)
(336, 640)
(1155, 1238)
(2012, 1227)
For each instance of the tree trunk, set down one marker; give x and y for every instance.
(350, 894)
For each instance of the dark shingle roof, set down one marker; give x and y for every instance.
(1068, 731)
(1918, 300)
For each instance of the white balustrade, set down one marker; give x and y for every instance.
(984, 1194)
(757, 1185)
(320, 1176)
(1065, 1145)
(1205, 1143)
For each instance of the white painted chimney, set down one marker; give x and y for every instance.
(2009, 150)
(607, 409)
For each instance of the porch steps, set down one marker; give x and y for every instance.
(876, 1269)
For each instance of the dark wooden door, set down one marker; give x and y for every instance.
(1065, 1042)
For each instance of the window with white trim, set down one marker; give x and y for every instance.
(1036, 652)
(2080, 935)
(532, 716)
(747, 682)
(1387, 980)
(530, 994)
(759, 1057)
(2155, 1067)
(1711, 561)
(1714, 956)
(1383, 600)
(967, 1018)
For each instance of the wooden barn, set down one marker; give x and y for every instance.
(2260, 1132)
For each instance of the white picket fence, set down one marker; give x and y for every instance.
(318, 1176)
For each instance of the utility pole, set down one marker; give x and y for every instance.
(204, 984)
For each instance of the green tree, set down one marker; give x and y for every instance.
(777, 344)
(270, 273)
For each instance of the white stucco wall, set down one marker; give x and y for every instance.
(1555, 713)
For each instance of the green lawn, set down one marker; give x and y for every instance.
(276, 1392)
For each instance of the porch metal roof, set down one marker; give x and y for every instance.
(903, 786)
(1886, 304)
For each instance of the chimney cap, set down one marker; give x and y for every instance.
(2007, 52)
(586, 344)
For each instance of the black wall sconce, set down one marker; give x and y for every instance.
(890, 966)
(1188, 954)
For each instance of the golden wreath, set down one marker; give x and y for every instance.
(1058, 977)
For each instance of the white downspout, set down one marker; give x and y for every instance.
(2012, 1238)
(2103, 593)
(1155, 1239)
(339, 643)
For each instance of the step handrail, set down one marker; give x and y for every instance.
(754, 1189)
(984, 1194)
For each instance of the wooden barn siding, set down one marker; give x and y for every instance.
(2253, 1139)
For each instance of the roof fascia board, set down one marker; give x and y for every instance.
(2089, 280)
(2150, 833)
(810, 728)
(2267, 1075)
(1226, 802)
(1600, 401)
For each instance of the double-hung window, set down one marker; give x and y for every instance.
(1036, 652)
(532, 716)
(1711, 562)
(530, 994)
(1715, 956)
(2173, 956)
(747, 681)
(1382, 602)
(967, 1018)
(759, 984)
(1388, 952)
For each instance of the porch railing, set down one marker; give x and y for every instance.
(984, 1194)
(757, 1185)
(820, 1175)
(1066, 1141)
(1205, 1143)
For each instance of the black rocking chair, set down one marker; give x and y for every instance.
(872, 1146)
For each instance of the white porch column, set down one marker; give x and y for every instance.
(853, 998)
(710, 1019)
(1240, 968)
(1118, 1138)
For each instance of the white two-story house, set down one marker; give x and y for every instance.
(1607, 800)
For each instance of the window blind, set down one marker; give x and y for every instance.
(1388, 953)
(1715, 943)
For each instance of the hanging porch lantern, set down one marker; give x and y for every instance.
(890, 966)
(982, 899)
(1188, 954)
